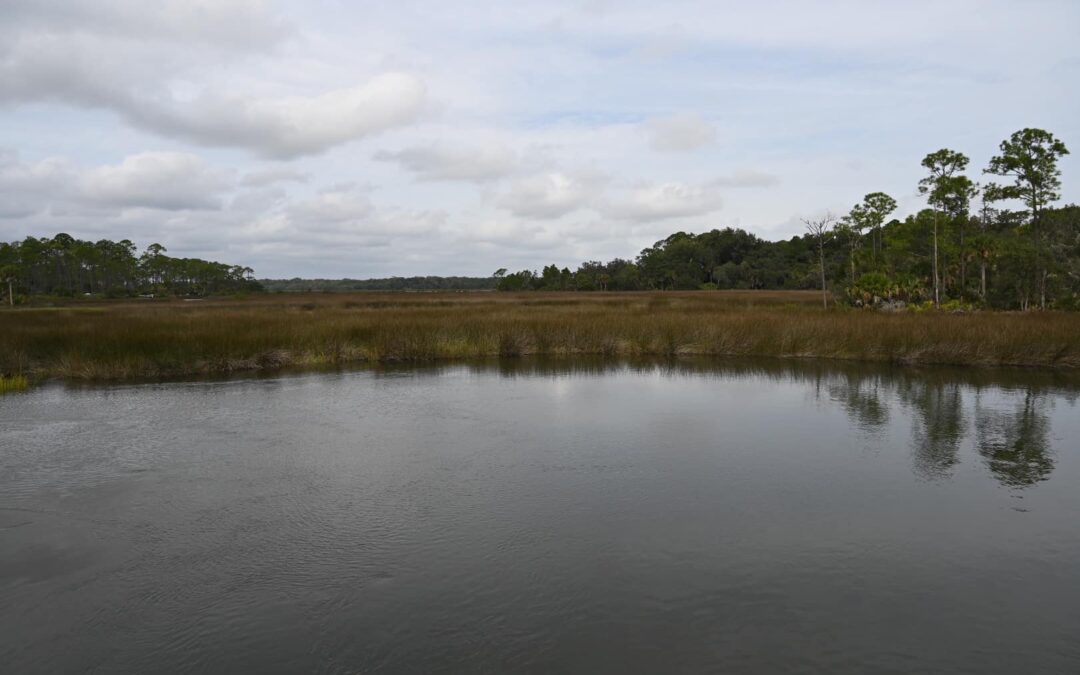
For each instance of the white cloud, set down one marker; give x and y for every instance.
(347, 211)
(287, 127)
(280, 174)
(146, 63)
(747, 178)
(158, 180)
(340, 204)
(512, 235)
(439, 161)
(240, 24)
(662, 201)
(680, 132)
(25, 188)
(551, 195)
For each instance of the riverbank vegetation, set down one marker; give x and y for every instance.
(173, 338)
(998, 245)
(11, 383)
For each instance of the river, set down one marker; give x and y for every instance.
(540, 517)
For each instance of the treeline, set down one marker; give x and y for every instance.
(388, 284)
(949, 253)
(65, 266)
(728, 258)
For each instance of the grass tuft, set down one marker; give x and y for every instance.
(12, 383)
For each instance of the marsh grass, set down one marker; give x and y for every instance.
(13, 383)
(170, 339)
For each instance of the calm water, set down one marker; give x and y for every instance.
(527, 518)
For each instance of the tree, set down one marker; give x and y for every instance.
(8, 274)
(819, 230)
(958, 193)
(1030, 158)
(850, 230)
(68, 266)
(871, 214)
(943, 165)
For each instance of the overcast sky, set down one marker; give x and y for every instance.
(368, 139)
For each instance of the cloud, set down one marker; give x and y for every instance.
(746, 178)
(681, 132)
(158, 180)
(237, 24)
(651, 202)
(551, 194)
(340, 204)
(480, 145)
(511, 235)
(264, 177)
(167, 70)
(25, 188)
(286, 127)
(168, 181)
(341, 214)
(434, 162)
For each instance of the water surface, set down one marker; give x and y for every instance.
(527, 517)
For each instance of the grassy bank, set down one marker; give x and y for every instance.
(13, 383)
(176, 338)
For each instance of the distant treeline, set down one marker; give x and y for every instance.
(389, 284)
(946, 254)
(65, 266)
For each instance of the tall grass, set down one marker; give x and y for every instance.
(13, 383)
(127, 340)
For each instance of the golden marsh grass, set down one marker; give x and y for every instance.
(177, 338)
(13, 383)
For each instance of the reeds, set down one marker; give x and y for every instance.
(166, 339)
(13, 383)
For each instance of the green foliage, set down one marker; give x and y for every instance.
(67, 267)
(726, 259)
(1030, 158)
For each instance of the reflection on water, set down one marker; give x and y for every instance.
(939, 425)
(545, 516)
(1015, 441)
(1011, 433)
(1003, 411)
(862, 398)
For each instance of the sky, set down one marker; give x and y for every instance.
(369, 139)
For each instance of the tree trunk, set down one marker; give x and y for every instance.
(1035, 230)
(963, 262)
(982, 280)
(821, 258)
(937, 291)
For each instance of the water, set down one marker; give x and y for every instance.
(523, 517)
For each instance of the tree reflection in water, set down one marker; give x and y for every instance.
(1012, 434)
(939, 424)
(1016, 443)
(861, 397)
(1002, 413)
